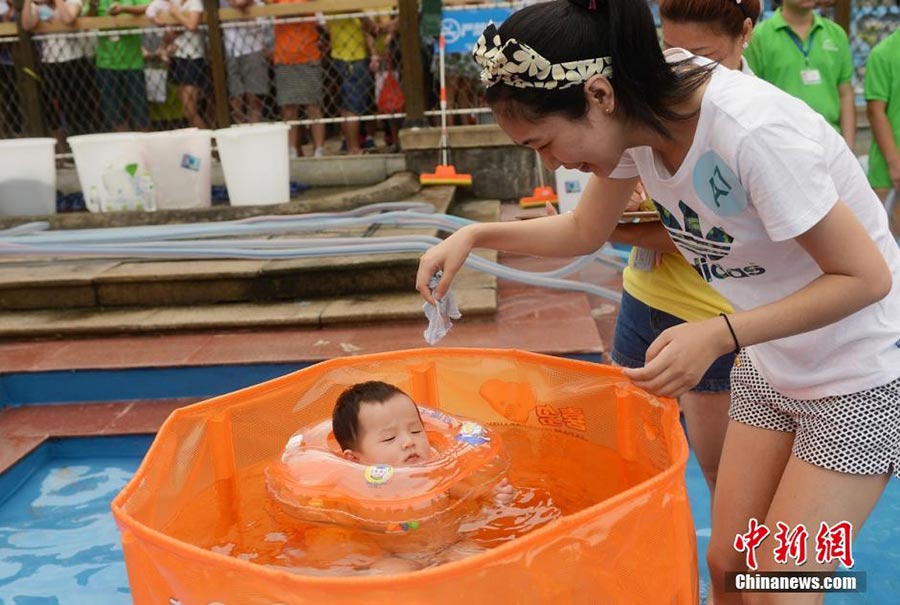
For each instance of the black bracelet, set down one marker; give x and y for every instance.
(737, 345)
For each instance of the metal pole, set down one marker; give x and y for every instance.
(411, 52)
(217, 63)
(29, 80)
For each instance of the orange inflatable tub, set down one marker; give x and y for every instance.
(199, 525)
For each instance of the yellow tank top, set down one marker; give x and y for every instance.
(674, 287)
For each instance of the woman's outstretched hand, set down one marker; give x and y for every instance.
(678, 358)
(449, 257)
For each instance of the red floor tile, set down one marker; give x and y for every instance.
(59, 420)
(144, 416)
(125, 352)
(17, 357)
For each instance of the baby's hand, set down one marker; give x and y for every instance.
(504, 492)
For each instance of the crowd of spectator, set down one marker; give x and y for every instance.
(298, 68)
(312, 67)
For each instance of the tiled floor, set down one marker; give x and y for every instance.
(24, 428)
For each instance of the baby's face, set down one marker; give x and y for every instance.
(391, 433)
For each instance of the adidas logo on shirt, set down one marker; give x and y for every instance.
(707, 248)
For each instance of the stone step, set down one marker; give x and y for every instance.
(476, 295)
(84, 283)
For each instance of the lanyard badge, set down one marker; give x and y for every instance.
(810, 76)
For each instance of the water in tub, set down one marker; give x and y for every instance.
(554, 474)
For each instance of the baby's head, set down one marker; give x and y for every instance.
(377, 423)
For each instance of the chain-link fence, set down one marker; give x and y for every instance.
(336, 77)
(10, 104)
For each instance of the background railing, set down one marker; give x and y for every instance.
(332, 68)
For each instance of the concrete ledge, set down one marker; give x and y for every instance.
(399, 186)
(84, 283)
(499, 168)
(459, 137)
(477, 299)
(35, 283)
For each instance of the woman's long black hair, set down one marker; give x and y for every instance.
(646, 86)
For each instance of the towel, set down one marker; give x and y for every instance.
(439, 316)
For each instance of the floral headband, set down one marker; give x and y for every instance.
(519, 65)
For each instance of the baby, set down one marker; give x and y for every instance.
(377, 423)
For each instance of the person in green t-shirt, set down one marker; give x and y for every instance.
(883, 108)
(120, 71)
(807, 56)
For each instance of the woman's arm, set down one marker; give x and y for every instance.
(68, 13)
(190, 20)
(29, 15)
(116, 9)
(575, 233)
(855, 275)
(652, 236)
(884, 136)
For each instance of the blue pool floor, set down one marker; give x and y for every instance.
(60, 546)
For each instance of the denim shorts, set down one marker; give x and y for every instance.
(356, 85)
(638, 325)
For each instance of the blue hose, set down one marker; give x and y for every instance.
(176, 241)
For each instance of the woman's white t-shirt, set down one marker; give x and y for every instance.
(763, 168)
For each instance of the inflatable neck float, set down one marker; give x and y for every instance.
(314, 483)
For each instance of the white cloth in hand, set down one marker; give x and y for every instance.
(439, 317)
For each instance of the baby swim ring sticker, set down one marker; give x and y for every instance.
(472, 433)
(378, 474)
(436, 414)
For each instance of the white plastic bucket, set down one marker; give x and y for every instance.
(113, 172)
(569, 185)
(179, 163)
(255, 162)
(27, 176)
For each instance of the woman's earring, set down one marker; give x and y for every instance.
(746, 44)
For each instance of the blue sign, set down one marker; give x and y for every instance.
(463, 27)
